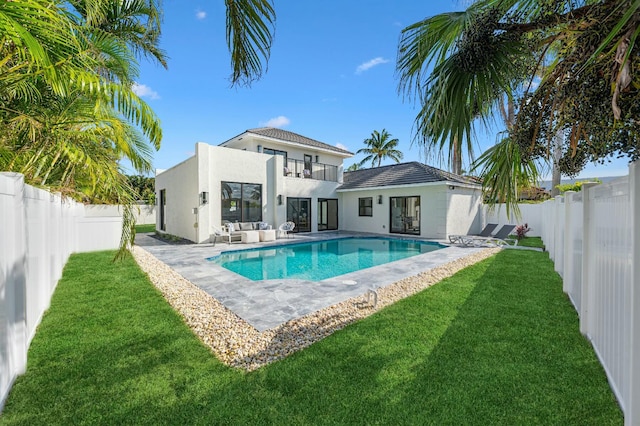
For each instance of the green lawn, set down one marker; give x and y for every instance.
(142, 229)
(498, 343)
(531, 242)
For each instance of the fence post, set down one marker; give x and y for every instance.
(586, 293)
(567, 277)
(632, 414)
(558, 243)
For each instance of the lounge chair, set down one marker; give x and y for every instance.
(486, 232)
(500, 238)
(219, 232)
(225, 233)
(286, 228)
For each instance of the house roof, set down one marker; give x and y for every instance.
(399, 174)
(286, 136)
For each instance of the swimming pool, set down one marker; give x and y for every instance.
(319, 260)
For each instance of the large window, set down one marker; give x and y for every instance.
(241, 202)
(365, 206)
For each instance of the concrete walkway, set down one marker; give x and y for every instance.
(269, 303)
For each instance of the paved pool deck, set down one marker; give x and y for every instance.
(269, 303)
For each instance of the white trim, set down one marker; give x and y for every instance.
(412, 185)
(286, 142)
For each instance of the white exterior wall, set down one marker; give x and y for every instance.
(463, 210)
(219, 164)
(294, 151)
(213, 165)
(433, 209)
(308, 188)
(181, 185)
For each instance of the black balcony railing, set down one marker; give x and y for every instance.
(318, 171)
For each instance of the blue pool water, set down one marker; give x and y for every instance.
(319, 260)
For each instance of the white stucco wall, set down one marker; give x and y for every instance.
(309, 188)
(294, 152)
(443, 211)
(221, 164)
(432, 209)
(181, 185)
(464, 210)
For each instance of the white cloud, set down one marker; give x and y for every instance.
(143, 90)
(341, 146)
(370, 64)
(200, 15)
(279, 121)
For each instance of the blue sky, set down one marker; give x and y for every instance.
(331, 77)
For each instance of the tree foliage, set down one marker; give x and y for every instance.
(566, 65)
(378, 147)
(68, 111)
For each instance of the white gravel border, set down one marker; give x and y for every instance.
(238, 344)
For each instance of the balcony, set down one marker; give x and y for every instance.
(318, 171)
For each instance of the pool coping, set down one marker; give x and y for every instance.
(270, 303)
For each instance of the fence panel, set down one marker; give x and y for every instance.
(13, 327)
(608, 282)
(38, 232)
(572, 280)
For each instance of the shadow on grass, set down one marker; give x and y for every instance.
(498, 343)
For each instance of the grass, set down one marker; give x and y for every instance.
(143, 229)
(497, 343)
(531, 242)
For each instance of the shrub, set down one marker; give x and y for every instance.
(521, 230)
(576, 186)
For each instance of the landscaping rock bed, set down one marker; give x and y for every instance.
(238, 344)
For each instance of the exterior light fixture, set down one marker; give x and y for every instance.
(379, 199)
(280, 199)
(259, 148)
(204, 198)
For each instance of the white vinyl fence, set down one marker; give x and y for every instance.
(593, 238)
(145, 214)
(38, 232)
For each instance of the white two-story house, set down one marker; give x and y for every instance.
(273, 175)
(264, 174)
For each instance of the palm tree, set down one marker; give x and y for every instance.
(353, 167)
(380, 146)
(460, 66)
(67, 107)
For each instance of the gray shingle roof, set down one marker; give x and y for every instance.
(285, 135)
(399, 174)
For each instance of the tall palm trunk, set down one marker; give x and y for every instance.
(557, 155)
(456, 156)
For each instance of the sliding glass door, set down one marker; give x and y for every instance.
(327, 214)
(404, 215)
(299, 212)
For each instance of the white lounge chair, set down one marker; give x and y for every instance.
(286, 228)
